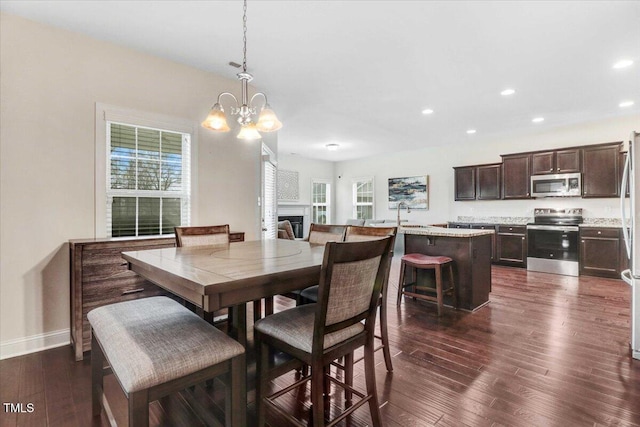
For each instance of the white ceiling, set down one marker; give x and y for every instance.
(359, 73)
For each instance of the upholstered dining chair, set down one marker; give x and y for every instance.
(285, 230)
(320, 234)
(351, 279)
(214, 235)
(358, 234)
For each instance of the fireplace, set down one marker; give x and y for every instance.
(297, 223)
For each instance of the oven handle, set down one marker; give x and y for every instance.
(552, 228)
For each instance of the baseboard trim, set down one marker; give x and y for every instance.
(34, 343)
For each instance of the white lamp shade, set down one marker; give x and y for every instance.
(267, 121)
(216, 120)
(249, 132)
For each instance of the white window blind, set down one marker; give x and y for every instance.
(320, 202)
(363, 198)
(269, 197)
(148, 180)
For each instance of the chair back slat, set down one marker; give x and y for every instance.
(202, 235)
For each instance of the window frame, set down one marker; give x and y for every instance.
(354, 195)
(105, 114)
(327, 204)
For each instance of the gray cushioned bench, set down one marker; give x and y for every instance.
(156, 347)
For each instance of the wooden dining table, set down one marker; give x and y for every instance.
(231, 275)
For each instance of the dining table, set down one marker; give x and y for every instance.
(232, 274)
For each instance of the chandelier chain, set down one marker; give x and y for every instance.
(244, 37)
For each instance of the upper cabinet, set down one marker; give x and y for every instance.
(558, 161)
(601, 167)
(465, 183)
(601, 170)
(516, 176)
(479, 182)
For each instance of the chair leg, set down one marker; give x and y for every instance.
(384, 334)
(257, 310)
(439, 288)
(139, 408)
(454, 289)
(268, 306)
(400, 283)
(370, 379)
(97, 371)
(348, 378)
(317, 398)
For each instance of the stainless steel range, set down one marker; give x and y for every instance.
(552, 241)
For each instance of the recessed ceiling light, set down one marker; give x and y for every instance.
(471, 131)
(537, 119)
(332, 147)
(507, 92)
(427, 111)
(625, 104)
(623, 64)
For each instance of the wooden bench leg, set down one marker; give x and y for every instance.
(439, 288)
(400, 284)
(454, 289)
(97, 376)
(139, 408)
(238, 391)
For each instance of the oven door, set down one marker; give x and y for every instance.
(552, 242)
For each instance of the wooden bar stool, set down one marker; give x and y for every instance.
(426, 262)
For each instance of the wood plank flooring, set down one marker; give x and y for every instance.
(548, 350)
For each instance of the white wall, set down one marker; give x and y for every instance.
(308, 169)
(50, 80)
(438, 162)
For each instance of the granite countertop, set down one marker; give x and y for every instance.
(425, 230)
(499, 220)
(602, 222)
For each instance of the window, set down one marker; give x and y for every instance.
(148, 180)
(269, 197)
(320, 202)
(363, 198)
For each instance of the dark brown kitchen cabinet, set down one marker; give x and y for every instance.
(478, 182)
(465, 183)
(493, 237)
(459, 225)
(601, 252)
(488, 182)
(601, 170)
(557, 161)
(511, 245)
(516, 176)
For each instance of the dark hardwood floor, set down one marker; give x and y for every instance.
(548, 350)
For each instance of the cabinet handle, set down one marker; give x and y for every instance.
(523, 238)
(583, 241)
(132, 291)
(510, 228)
(599, 232)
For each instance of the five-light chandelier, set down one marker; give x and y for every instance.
(267, 120)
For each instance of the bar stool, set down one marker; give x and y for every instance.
(427, 262)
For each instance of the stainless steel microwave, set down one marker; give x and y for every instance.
(560, 185)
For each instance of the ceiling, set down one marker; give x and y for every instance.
(358, 73)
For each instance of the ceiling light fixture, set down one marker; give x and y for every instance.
(625, 104)
(332, 147)
(427, 111)
(471, 131)
(267, 120)
(623, 64)
(507, 92)
(538, 120)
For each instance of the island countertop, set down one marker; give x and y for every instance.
(425, 230)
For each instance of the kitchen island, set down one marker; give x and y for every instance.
(471, 253)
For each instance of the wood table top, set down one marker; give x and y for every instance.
(247, 267)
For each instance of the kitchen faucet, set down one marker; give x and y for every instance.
(399, 206)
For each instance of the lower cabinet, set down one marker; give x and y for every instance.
(602, 252)
(493, 237)
(511, 245)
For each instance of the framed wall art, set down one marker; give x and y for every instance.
(288, 188)
(413, 190)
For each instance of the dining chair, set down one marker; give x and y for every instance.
(358, 234)
(214, 235)
(319, 234)
(285, 230)
(351, 279)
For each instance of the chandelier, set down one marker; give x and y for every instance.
(267, 120)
